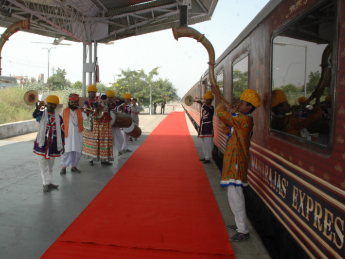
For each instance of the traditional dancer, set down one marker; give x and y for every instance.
(238, 127)
(135, 110)
(126, 108)
(117, 132)
(98, 143)
(50, 140)
(206, 127)
(73, 127)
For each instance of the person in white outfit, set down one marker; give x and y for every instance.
(206, 127)
(117, 132)
(126, 109)
(135, 110)
(50, 140)
(73, 127)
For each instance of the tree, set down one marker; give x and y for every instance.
(101, 88)
(77, 85)
(58, 80)
(240, 83)
(138, 84)
(291, 89)
(314, 79)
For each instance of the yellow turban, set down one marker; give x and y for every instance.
(53, 99)
(110, 93)
(127, 96)
(92, 88)
(328, 98)
(278, 97)
(302, 99)
(251, 96)
(208, 95)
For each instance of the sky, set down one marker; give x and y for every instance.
(182, 62)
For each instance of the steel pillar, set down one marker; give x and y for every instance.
(90, 61)
(95, 61)
(84, 71)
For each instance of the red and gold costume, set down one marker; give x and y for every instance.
(98, 143)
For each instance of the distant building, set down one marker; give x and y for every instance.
(8, 81)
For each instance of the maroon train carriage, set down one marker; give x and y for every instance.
(296, 195)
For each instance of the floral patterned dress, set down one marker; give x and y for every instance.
(238, 127)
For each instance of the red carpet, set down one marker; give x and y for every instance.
(158, 205)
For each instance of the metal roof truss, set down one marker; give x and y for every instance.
(91, 20)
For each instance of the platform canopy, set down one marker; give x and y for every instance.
(101, 20)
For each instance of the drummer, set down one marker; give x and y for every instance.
(126, 108)
(117, 132)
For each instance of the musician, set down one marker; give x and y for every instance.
(98, 143)
(117, 132)
(293, 123)
(50, 140)
(126, 108)
(135, 110)
(206, 126)
(73, 127)
(238, 125)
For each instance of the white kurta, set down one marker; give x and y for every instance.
(74, 141)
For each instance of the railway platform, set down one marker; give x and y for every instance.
(31, 221)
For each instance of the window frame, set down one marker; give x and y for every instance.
(300, 142)
(237, 60)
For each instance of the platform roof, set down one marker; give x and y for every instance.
(101, 20)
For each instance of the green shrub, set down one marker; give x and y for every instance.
(12, 106)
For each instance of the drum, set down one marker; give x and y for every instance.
(134, 131)
(122, 120)
(125, 121)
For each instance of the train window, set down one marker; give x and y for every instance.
(302, 76)
(220, 81)
(239, 79)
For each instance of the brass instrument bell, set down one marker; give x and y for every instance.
(188, 100)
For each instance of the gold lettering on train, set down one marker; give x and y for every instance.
(294, 197)
(327, 224)
(278, 184)
(331, 228)
(301, 207)
(318, 216)
(339, 232)
(310, 207)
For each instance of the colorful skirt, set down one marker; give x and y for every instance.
(98, 143)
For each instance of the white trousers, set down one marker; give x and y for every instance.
(46, 166)
(207, 147)
(118, 138)
(125, 140)
(70, 158)
(237, 205)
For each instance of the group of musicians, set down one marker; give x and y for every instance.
(76, 132)
(65, 134)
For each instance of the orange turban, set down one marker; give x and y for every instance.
(92, 88)
(208, 95)
(328, 98)
(53, 99)
(302, 99)
(251, 96)
(278, 97)
(127, 96)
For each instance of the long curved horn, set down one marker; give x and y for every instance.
(17, 26)
(185, 31)
(324, 65)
